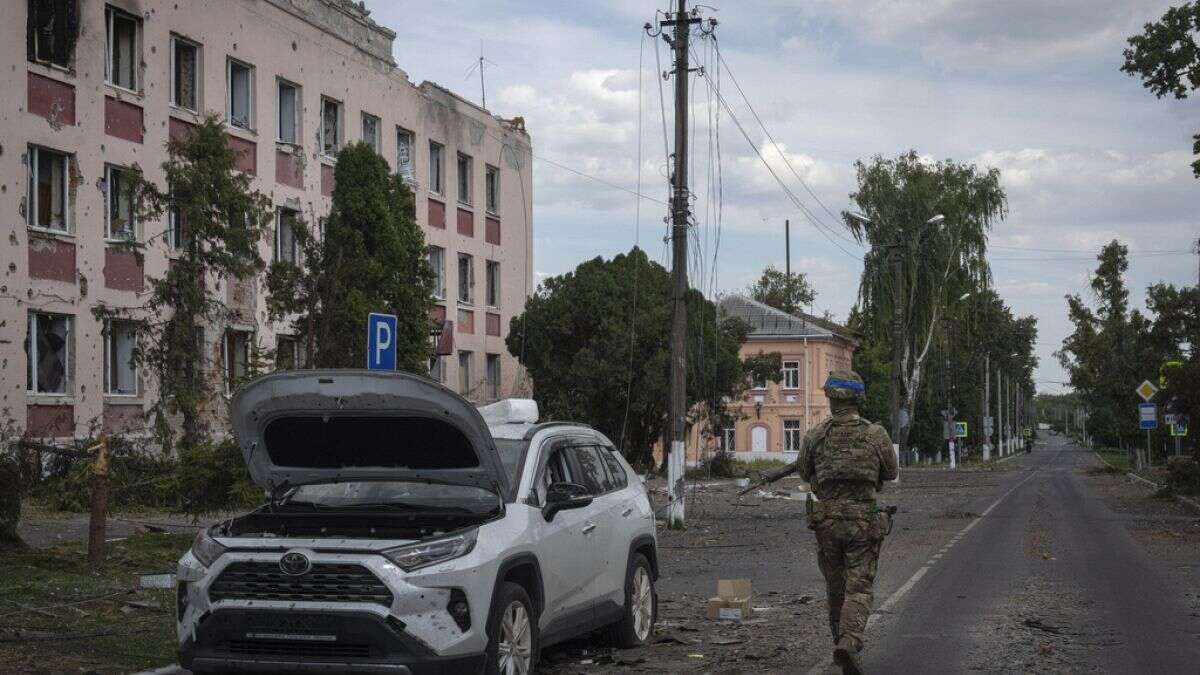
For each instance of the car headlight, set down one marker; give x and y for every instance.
(415, 556)
(206, 549)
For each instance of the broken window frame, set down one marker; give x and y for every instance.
(33, 376)
(437, 153)
(491, 187)
(791, 375)
(281, 119)
(287, 249)
(178, 41)
(330, 148)
(113, 179)
(466, 281)
(242, 122)
(793, 435)
(113, 331)
(36, 153)
(463, 171)
(405, 148)
(373, 138)
(492, 283)
(492, 372)
(437, 263)
(466, 358)
(63, 21)
(111, 16)
(235, 355)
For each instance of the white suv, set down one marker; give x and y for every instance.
(409, 532)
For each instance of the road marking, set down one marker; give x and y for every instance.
(899, 593)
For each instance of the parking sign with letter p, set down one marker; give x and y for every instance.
(381, 341)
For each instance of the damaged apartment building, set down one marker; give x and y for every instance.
(94, 88)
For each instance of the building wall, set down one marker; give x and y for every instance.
(770, 407)
(328, 48)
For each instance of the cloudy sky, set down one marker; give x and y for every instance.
(1030, 87)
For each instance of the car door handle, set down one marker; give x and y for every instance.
(588, 527)
(628, 510)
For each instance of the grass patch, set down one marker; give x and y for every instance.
(76, 603)
(736, 469)
(1119, 459)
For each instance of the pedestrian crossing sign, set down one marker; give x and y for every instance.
(960, 429)
(1179, 428)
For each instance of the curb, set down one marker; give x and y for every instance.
(1185, 500)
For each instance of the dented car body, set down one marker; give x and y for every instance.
(408, 531)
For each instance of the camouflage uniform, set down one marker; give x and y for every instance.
(846, 459)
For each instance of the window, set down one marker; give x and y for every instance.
(437, 263)
(48, 189)
(435, 168)
(404, 156)
(465, 379)
(120, 369)
(237, 357)
(757, 381)
(120, 220)
(370, 131)
(176, 230)
(792, 436)
(616, 470)
(286, 248)
(289, 118)
(287, 353)
(124, 49)
(493, 376)
(331, 126)
(239, 87)
(52, 29)
(466, 279)
(594, 475)
(464, 178)
(436, 371)
(491, 185)
(492, 277)
(791, 374)
(185, 73)
(47, 352)
(729, 439)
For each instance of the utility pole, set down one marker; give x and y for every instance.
(681, 23)
(787, 279)
(987, 407)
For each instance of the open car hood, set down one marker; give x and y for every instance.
(315, 426)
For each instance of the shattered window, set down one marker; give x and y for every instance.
(437, 263)
(331, 124)
(237, 357)
(185, 60)
(289, 95)
(286, 248)
(287, 352)
(51, 30)
(466, 278)
(492, 187)
(120, 369)
(370, 131)
(464, 178)
(120, 221)
(48, 189)
(404, 156)
(47, 351)
(791, 435)
(493, 283)
(493, 376)
(124, 51)
(435, 168)
(465, 381)
(239, 85)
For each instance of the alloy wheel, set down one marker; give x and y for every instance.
(642, 603)
(516, 642)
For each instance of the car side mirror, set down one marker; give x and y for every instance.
(565, 496)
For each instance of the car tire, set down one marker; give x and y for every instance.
(513, 639)
(641, 606)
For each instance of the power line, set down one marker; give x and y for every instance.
(602, 181)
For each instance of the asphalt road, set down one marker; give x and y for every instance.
(1047, 578)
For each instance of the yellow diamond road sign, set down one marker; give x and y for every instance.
(1146, 390)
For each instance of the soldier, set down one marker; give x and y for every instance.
(846, 459)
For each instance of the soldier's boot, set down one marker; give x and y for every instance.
(845, 654)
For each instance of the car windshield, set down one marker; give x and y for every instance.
(512, 455)
(396, 494)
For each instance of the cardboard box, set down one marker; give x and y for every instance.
(732, 601)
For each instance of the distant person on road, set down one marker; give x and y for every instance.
(846, 459)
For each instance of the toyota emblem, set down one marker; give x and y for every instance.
(295, 563)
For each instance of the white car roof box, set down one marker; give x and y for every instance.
(511, 411)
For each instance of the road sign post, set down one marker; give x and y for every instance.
(1148, 420)
(381, 341)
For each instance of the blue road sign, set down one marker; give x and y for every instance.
(381, 341)
(1147, 416)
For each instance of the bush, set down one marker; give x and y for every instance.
(1183, 476)
(10, 498)
(138, 477)
(214, 478)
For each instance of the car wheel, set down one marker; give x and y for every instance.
(641, 606)
(512, 633)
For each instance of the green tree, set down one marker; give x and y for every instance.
(777, 289)
(372, 258)
(938, 263)
(595, 342)
(1175, 335)
(1165, 55)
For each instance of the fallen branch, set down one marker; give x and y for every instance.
(42, 610)
(40, 636)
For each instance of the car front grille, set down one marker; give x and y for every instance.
(325, 582)
(295, 650)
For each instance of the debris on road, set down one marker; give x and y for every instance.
(732, 601)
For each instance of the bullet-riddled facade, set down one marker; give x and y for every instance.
(94, 89)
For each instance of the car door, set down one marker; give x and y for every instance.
(566, 546)
(623, 520)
